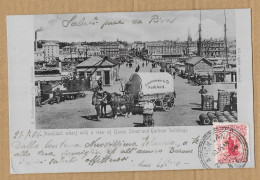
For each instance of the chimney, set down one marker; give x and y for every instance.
(35, 41)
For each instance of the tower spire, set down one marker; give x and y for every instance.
(189, 36)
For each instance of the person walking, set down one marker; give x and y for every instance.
(209, 79)
(96, 103)
(173, 73)
(100, 84)
(202, 91)
(148, 114)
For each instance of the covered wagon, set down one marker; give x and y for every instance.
(156, 87)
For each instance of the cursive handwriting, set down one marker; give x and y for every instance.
(73, 21)
(155, 19)
(113, 22)
(132, 147)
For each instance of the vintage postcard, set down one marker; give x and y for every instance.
(130, 91)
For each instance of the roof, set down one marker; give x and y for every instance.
(38, 51)
(113, 61)
(47, 78)
(68, 56)
(50, 44)
(196, 59)
(94, 61)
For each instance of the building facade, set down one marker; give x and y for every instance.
(213, 48)
(161, 50)
(109, 49)
(92, 50)
(75, 49)
(51, 51)
(38, 55)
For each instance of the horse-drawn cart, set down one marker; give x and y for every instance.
(155, 87)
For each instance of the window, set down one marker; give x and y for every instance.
(98, 73)
(88, 73)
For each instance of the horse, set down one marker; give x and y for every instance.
(106, 100)
(116, 100)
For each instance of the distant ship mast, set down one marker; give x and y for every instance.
(225, 38)
(188, 45)
(199, 42)
(226, 51)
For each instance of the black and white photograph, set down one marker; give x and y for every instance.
(109, 70)
(130, 91)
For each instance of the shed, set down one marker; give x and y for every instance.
(198, 65)
(107, 70)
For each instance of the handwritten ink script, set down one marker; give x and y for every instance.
(75, 21)
(131, 147)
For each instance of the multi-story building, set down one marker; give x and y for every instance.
(213, 48)
(164, 50)
(51, 51)
(74, 49)
(138, 45)
(92, 50)
(109, 49)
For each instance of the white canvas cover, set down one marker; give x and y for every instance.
(151, 83)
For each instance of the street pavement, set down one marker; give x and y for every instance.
(78, 113)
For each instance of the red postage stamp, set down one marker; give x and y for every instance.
(231, 143)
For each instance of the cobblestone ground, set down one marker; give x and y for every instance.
(78, 113)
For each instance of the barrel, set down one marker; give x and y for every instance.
(212, 117)
(204, 119)
(220, 116)
(229, 117)
(234, 114)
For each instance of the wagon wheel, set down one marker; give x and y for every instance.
(168, 102)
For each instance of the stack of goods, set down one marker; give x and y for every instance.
(234, 114)
(229, 117)
(233, 101)
(223, 100)
(211, 117)
(207, 102)
(220, 116)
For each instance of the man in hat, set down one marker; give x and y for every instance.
(100, 84)
(148, 114)
(96, 103)
(202, 90)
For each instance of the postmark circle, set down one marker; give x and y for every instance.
(207, 152)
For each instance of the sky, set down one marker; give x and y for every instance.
(153, 26)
